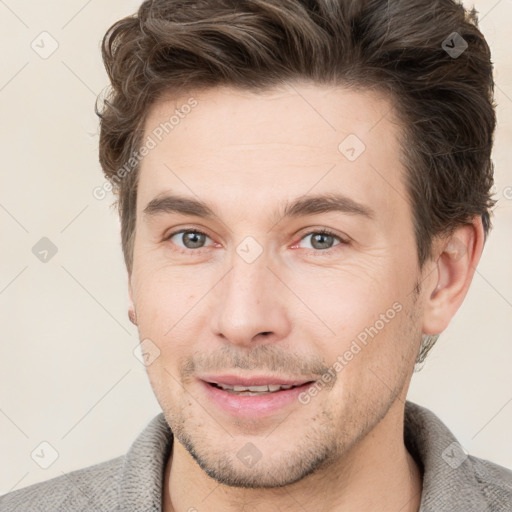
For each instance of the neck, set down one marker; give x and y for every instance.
(377, 473)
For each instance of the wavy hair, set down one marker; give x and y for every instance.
(444, 101)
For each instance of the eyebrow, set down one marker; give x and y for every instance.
(303, 206)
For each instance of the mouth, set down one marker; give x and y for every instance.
(253, 397)
(256, 390)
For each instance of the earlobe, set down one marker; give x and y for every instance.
(457, 258)
(132, 315)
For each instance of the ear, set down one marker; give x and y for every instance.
(131, 307)
(456, 259)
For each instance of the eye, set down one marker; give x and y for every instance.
(322, 239)
(190, 238)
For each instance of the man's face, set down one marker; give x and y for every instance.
(266, 297)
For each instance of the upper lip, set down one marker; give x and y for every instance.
(253, 380)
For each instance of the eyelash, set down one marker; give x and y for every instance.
(320, 231)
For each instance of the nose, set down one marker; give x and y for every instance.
(251, 304)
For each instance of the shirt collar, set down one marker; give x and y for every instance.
(449, 475)
(142, 474)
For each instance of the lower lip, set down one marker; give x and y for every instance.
(253, 406)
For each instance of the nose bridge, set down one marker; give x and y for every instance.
(248, 278)
(249, 302)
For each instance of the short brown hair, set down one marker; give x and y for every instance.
(445, 101)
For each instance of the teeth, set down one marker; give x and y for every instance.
(255, 389)
(225, 386)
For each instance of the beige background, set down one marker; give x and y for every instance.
(69, 376)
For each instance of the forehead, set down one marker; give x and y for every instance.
(274, 146)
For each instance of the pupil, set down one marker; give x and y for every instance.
(324, 244)
(193, 240)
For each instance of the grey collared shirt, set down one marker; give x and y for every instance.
(452, 480)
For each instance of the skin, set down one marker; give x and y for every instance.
(205, 308)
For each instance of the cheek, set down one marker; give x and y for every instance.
(361, 327)
(164, 295)
(342, 302)
(171, 305)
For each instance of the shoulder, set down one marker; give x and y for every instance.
(492, 482)
(92, 488)
(132, 481)
(453, 480)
